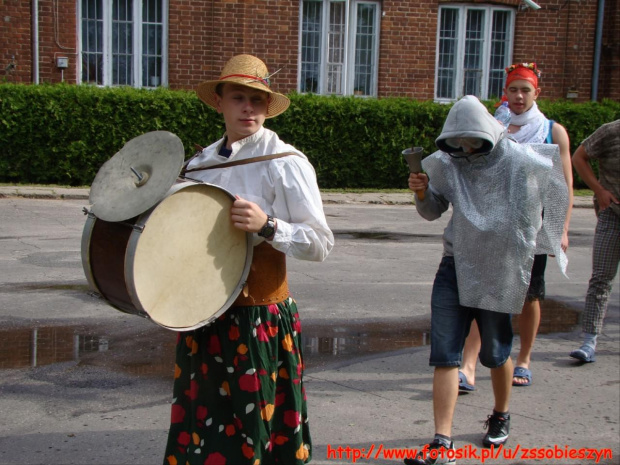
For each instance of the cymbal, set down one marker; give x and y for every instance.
(137, 176)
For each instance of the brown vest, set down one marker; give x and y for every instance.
(266, 283)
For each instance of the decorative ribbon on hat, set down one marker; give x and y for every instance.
(523, 71)
(253, 78)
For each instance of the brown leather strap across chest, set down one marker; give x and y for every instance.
(245, 161)
(267, 283)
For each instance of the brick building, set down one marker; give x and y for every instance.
(427, 49)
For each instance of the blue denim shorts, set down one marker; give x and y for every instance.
(450, 323)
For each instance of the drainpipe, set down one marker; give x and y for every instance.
(35, 41)
(597, 49)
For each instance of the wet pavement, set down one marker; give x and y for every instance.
(84, 383)
(150, 349)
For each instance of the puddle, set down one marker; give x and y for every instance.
(46, 286)
(140, 349)
(387, 236)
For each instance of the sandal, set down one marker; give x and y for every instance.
(522, 373)
(464, 384)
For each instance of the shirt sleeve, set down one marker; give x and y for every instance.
(596, 144)
(433, 205)
(302, 231)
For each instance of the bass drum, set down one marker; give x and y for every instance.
(181, 263)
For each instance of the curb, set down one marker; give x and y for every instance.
(68, 193)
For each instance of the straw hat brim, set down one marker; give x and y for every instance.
(278, 103)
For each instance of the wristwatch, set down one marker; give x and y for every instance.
(269, 229)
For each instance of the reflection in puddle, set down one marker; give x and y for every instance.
(324, 344)
(149, 351)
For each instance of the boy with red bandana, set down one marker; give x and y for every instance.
(527, 125)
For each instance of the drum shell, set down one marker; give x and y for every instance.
(126, 262)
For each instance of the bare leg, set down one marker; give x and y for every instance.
(445, 393)
(529, 321)
(470, 353)
(501, 378)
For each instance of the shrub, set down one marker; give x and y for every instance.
(62, 134)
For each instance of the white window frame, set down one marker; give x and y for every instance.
(460, 41)
(136, 44)
(348, 69)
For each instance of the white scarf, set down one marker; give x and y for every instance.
(534, 126)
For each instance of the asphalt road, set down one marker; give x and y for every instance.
(84, 383)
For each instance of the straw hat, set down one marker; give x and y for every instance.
(248, 71)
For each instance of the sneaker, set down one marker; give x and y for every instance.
(498, 426)
(585, 353)
(434, 453)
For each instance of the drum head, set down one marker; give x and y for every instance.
(137, 177)
(189, 263)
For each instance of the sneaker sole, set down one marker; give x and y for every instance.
(578, 356)
(498, 442)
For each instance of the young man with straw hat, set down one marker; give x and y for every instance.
(238, 391)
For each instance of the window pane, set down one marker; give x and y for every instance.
(92, 9)
(92, 41)
(122, 42)
(473, 49)
(152, 11)
(472, 59)
(310, 46)
(364, 49)
(337, 57)
(498, 59)
(152, 47)
(446, 69)
(335, 48)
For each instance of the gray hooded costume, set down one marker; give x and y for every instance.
(498, 195)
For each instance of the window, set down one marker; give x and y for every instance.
(339, 47)
(123, 42)
(474, 46)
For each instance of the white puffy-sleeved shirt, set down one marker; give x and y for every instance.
(285, 188)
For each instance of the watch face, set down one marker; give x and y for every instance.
(267, 231)
(269, 228)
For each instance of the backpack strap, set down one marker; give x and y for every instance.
(549, 139)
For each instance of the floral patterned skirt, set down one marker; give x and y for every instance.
(238, 391)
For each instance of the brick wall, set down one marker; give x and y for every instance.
(15, 41)
(560, 39)
(407, 52)
(223, 28)
(204, 34)
(57, 37)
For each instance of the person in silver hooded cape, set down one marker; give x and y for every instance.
(507, 202)
(498, 195)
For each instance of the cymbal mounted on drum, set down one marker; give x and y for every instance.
(147, 252)
(137, 177)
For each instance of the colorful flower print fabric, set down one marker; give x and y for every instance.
(238, 391)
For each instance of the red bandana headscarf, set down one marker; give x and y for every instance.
(523, 71)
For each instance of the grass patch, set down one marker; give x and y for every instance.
(51, 186)
(365, 191)
(582, 193)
